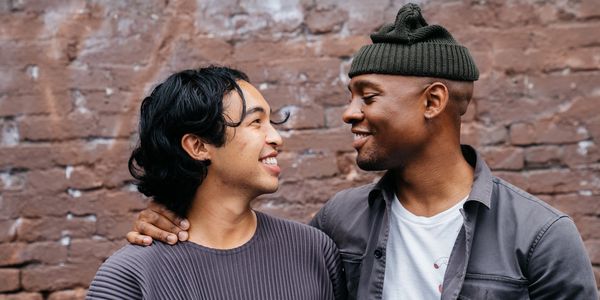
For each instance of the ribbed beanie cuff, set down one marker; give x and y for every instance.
(411, 47)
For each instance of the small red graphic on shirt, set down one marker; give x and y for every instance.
(440, 262)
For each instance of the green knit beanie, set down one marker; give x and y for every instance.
(412, 47)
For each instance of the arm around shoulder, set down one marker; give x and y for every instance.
(558, 265)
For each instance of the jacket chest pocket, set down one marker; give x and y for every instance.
(488, 287)
(352, 263)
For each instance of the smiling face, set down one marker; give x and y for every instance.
(247, 161)
(387, 117)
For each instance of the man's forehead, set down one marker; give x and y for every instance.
(380, 80)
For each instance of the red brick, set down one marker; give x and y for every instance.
(42, 204)
(76, 294)
(308, 166)
(108, 203)
(593, 249)
(333, 117)
(318, 141)
(26, 156)
(336, 46)
(301, 117)
(10, 280)
(55, 228)
(543, 156)
(503, 158)
(588, 227)
(12, 254)
(85, 250)
(115, 227)
(49, 253)
(49, 182)
(44, 278)
(553, 181)
(547, 131)
(576, 204)
(8, 230)
(325, 21)
(21, 104)
(581, 154)
(257, 50)
(22, 296)
(477, 134)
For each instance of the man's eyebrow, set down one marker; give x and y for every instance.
(362, 84)
(255, 109)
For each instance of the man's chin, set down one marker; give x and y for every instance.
(369, 165)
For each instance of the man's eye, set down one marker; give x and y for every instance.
(368, 98)
(257, 121)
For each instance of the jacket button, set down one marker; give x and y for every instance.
(378, 253)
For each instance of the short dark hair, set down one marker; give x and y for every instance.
(189, 101)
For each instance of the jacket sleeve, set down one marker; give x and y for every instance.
(559, 266)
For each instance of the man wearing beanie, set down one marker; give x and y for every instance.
(438, 225)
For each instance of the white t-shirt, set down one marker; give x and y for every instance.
(417, 252)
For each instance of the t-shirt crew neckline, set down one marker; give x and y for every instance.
(257, 234)
(441, 217)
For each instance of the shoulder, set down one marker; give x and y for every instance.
(123, 271)
(531, 217)
(129, 261)
(508, 196)
(348, 201)
(295, 231)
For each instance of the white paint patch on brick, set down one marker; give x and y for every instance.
(9, 134)
(109, 91)
(69, 216)
(582, 130)
(74, 193)
(263, 86)
(33, 71)
(80, 102)
(68, 172)
(94, 143)
(586, 193)
(11, 181)
(90, 218)
(65, 241)
(12, 231)
(583, 146)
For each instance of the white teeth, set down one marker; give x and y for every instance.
(269, 161)
(358, 136)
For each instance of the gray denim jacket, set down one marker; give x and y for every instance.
(512, 245)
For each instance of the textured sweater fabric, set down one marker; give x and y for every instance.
(283, 260)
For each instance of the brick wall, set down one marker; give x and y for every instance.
(72, 73)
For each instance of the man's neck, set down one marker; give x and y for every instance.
(219, 219)
(433, 183)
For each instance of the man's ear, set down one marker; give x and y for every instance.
(436, 99)
(195, 147)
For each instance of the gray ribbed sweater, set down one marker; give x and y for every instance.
(283, 260)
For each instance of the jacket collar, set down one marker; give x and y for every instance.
(481, 190)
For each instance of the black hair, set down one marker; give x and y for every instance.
(189, 101)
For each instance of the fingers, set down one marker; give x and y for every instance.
(138, 239)
(155, 232)
(171, 216)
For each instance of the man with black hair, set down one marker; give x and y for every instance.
(207, 149)
(438, 225)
